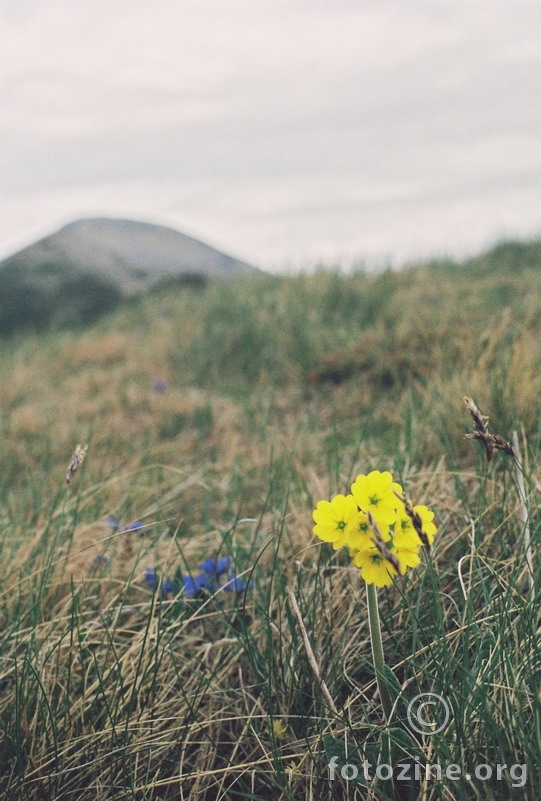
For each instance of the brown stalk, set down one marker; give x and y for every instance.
(377, 539)
(492, 442)
(416, 521)
(76, 461)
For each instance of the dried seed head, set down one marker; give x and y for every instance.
(76, 461)
(416, 521)
(479, 419)
(492, 442)
(377, 539)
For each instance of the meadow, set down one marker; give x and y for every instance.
(216, 417)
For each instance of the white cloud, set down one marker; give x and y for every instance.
(283, 130)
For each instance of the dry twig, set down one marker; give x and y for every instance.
(492, 442)
(76, 461)
(524, 516)
(415, 518)
(378, 541)
(309, 651)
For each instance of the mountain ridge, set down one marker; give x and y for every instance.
(97, 242)
(93, 263)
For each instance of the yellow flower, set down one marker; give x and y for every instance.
(279, 729)
(427, 517)
(385, 547)
(293, 770)
(375, 569)
(375, 493)
(404, 535)
(332, 519)
(405, 529)
(408, 557)
(361, 533)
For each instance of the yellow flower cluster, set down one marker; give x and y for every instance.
(382, 530)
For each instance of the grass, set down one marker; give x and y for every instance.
(278, 391)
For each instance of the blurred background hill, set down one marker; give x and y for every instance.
(86, 267)
(393, 352)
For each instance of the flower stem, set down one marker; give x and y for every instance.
(377, 648)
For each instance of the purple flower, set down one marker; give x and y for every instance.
(215, 567)
(237, 584)
(137, 526)
(159, 386)
(151, 578)
(193, 585)
(115, 525)
(208, 579)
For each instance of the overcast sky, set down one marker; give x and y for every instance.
(284, 132)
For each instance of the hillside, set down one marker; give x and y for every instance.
(86, 267)
(347, 347)
(216, 418)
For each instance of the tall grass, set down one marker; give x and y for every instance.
(277, 393)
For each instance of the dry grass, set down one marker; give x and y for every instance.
(111, 690)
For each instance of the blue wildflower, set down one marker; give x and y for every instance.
(215, 567)
(115, 525)
(151, 578)
(237, 584)
(194, 585)
(208, 579)
(137, 526)
(159, 386)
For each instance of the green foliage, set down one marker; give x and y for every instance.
(55, 297)
(509, 257)
(84, 297)
(276, 392)
(175, 282)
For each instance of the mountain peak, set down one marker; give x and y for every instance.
(137, 253)
(119, 256)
